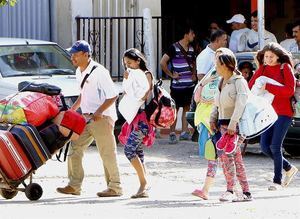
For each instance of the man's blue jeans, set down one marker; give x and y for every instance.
(271, 145)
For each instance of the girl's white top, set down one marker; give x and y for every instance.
(135, 88)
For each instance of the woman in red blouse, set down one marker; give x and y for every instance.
(276, 63)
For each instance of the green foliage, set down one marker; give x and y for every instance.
(10, 2)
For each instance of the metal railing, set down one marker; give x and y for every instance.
(109, 37)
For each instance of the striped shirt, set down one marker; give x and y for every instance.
(181, 65)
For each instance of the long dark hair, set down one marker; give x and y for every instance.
(136, 55)
(283, 55)
(227, 58)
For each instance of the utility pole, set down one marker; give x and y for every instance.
(261, 23)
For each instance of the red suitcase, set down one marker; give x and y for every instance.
(13, 160)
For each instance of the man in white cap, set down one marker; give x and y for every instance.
(249, 40)
(239, 27)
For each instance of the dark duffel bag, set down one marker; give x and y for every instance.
(52, 137)
(32, 143)
(41, 88)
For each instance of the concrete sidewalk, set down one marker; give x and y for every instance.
(174, 171)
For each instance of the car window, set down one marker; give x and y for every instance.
(34, 60)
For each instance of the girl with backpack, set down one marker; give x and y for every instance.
(204, 98)
(136, 131)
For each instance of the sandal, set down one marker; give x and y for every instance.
(142, 194)
(199, 193)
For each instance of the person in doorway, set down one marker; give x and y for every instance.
(205, 60)
(230, 102)
(295, 47)
(138, 85)
(239, 27)
(276, 63)
(97, 102)
(289, 40)
(249, 40)
(181, 56)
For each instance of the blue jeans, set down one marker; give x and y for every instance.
(271, 145)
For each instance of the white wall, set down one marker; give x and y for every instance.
(80, 9)
(153, 5)
(62, 34)
(65, 23)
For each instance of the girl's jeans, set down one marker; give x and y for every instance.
(271, 145)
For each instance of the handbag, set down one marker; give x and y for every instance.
(258, 116)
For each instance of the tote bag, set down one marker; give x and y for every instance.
(258, 116)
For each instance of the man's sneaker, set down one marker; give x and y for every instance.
(172, 138)
(274, 187)
(68, 190)
(226, 196)
(231, 143)
(185, 136)
(289, 175)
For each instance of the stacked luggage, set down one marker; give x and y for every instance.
(30, 133)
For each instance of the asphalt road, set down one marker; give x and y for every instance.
(174, 172)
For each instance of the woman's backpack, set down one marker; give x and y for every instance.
(161, 110)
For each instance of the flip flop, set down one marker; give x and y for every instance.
(142, 194)
(199, 193)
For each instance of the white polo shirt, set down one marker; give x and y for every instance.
(97, 88)
(205, 60)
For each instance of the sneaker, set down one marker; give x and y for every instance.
(231, 143)
(274, 187)
(172, 138)
(222, 142)
(289, 176)
(226, 196)
(243, 198)
(68, 190)
(185, 136)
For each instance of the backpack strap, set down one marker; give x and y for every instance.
(64, 150)
(86, 76)
(184, 52)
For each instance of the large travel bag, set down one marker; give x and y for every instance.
(70, 123)
(52, 137)
(34, 146)
(13, 160)
(28, 107)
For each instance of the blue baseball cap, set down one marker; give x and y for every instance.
(80, 46)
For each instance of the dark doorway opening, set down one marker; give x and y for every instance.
(199, 14)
